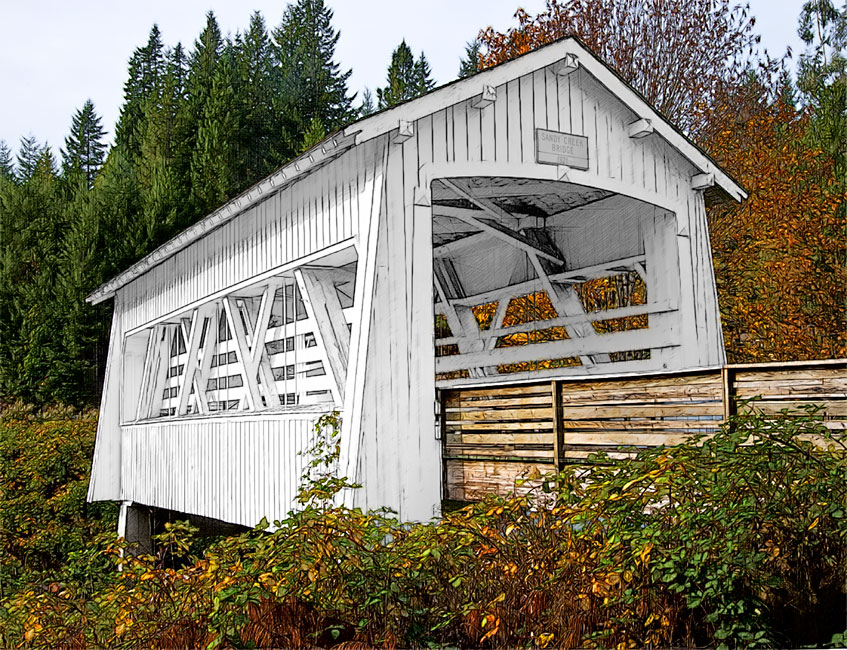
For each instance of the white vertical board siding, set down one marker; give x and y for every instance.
(105, 481)
(319, 210)
(236, 469)
(399, 457)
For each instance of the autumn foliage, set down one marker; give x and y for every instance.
(780, 256)
(737, 541)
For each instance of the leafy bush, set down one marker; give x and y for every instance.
(738, 540)
(45, 460)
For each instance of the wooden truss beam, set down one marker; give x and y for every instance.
(602, 344)
(256, 333)
(192, 335)
(459, 246)
(492, 225)
(532, 188)
(251, 351)
(494, 333)
(317, 286)
(149, 380)
(574, 275)
(460, 318)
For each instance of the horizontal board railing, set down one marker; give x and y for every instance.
(493, 435)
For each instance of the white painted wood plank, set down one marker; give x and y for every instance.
(501, 143)
(527, 119)
(474, 123)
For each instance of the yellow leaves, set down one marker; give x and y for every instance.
(644, 555)
(814, 523)
(495, 622)
(120, 629)
(544, 639)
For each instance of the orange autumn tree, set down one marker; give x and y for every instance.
(779, 256)
(680, 54)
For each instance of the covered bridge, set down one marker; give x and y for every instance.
(539, 219)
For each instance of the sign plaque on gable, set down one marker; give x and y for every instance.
(556, 148)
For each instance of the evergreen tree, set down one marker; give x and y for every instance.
(146, 67)
(423, 76)
(29, 154)
(257, 149)
(7, 166)
(367, 106)
(162, 170)
(202, 65)
(406, 77)
(215, 161)
(315, 134)
(84, 149)
(822, 77)
(33, 225)
(469, 64)
(121, 235)
(311, 84)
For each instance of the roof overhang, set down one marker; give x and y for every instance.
(715, 180)
(301, 166)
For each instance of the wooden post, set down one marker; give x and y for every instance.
(558, 429)
(442, 430)
(728, 392)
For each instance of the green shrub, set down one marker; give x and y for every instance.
(45, 461)
(738, 540)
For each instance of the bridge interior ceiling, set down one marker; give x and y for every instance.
(539, 276)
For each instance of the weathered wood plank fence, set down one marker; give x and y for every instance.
(493, 435)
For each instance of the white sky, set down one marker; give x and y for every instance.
(55, 54)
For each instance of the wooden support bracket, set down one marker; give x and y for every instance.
(567, 65)
(405, 130)
(486, 98)
(702, 181)
(640, 128)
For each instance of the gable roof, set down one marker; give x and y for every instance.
(389, 119)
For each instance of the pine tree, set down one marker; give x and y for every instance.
(315, 134)
(822, 77)
(7, 166)
(469, 64)
(311, 84)
(406, 77)
(215, 161)
(146, 68)
(85, 150)
(257, 149)
(202, 65)
(29, 154)
(423, 76)
(33, 228)
(401, 78)
(162, 170)
(367, 106)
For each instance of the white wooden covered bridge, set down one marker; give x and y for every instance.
(538, 219)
